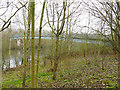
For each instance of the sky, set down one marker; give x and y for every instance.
(17, 20)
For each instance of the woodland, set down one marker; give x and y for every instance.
(60, 44)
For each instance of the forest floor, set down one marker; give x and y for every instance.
(73, 72)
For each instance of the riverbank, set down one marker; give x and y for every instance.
(83, 72)
(48, 49)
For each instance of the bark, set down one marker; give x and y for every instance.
(32, 43)
(3, 62)
(56, 58)
(118, 26)
(66, 37)
(9, 46)
(16, 56)
(24, 52)
(28, 36)
(86, 37)
(24, 72)
(61, 42)
(119, 66)
(69, 39)
(52, 49)
(39, 44)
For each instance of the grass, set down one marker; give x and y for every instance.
(72, 73)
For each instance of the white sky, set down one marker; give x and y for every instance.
(18, 19)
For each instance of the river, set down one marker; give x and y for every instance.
(17, 55)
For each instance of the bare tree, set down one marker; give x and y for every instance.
(57, 31)
(109, 12)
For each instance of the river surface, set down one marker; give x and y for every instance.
(74, 40)
(16, 58)
(17, 55)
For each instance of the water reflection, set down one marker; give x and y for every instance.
(15, 58)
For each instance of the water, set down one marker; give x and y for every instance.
(43, 37)
(15, 58)
(74, 40)
(14, 54)
(19, 53)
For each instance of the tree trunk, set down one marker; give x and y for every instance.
(57, 31)
(119, 68)
(24, 52)
(16, 57)
(3, 62)
(119, 59)
(9, 47)
(28, 36)
(69, 39)
(119, 45)
(52, 50)
(24, 73)
(61, 41)
(39, 44)
(56, 58)
(32, 43)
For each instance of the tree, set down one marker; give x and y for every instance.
(2, 61)
(39, 43)
(24, 51)
(26, 42)
(32, 3)
(109, 12)
(59, 16)
(9, 46)
(67, 33)
(57, 31)
(24, 54)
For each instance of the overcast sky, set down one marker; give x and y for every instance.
(17, 20)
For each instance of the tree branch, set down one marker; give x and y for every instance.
(8, 21)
